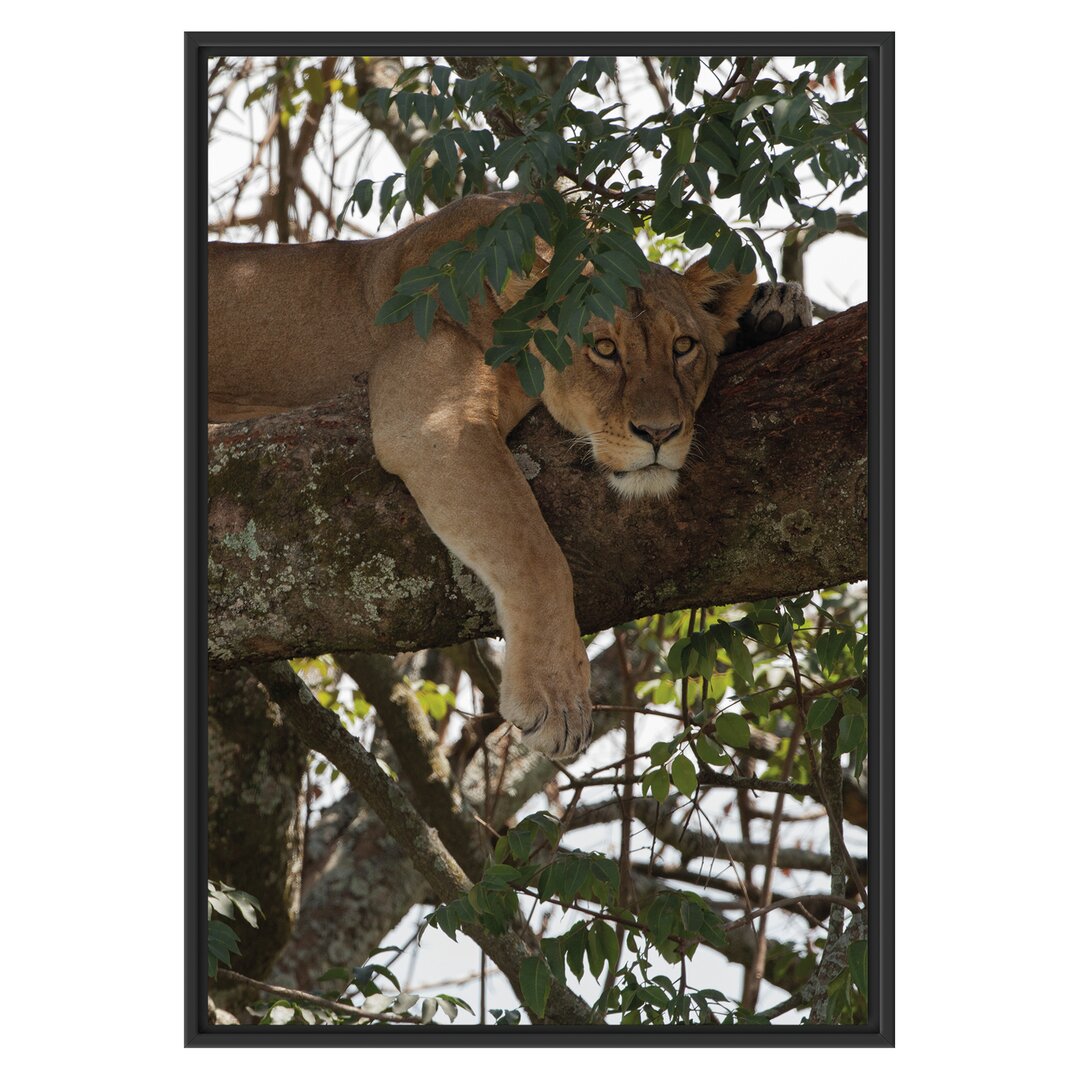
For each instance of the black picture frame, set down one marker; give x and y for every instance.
(879, 47)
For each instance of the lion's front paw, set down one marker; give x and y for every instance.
(773, 311)
(548, 701)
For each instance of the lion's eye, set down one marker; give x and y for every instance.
(606, 348)
(683, 345)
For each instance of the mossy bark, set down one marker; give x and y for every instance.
(313, 548)
(255, 808)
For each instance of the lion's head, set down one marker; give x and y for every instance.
(634, 393)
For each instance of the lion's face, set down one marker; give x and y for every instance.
(634, 393)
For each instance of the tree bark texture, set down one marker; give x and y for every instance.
(255, 812)
(313, 548)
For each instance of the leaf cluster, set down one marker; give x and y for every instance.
(225, 902)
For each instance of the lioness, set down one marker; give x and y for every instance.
(290, 325)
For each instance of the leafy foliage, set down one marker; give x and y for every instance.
(732, 133)
(528, 863)
(361, 988)
(225, 902)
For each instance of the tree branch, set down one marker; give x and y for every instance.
(324, 733)
(313, 548)
(321, 1002)
(696, 844)
(436, 793)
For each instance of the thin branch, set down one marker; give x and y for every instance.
(694, 844)
(791, 901)
(709, 779)
(314, 999)
(657, 83)
(756, 972)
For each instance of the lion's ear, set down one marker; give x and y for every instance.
(722, 293)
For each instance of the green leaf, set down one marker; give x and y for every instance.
(609, 942)
(708, 751)
(395, 309)
(553, 950)
(554, 348)
(575, 950)
(564, 270)
(740, 659)
(693, 917)
(762, 252)
(702, 229)
(595, 952)
(576, 875)
(853, 705)
(386, 195)
(660, 784)
(499, 354)
(619, 265)
(455, 306)
(684, 775)
(789, 112)
(732, 730)
(857, 962)
(530, 373)
(725, 249)
(852, 733)
(676, 657)
(682, 143)
(819, 714)
(521, 841)
(423, 314)
(535, 982)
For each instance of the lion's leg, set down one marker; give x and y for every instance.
(774, 310)
(435, 425)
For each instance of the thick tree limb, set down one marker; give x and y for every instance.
(313, 548)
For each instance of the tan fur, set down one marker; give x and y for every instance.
(291, 325)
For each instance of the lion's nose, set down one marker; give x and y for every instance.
(654, 435)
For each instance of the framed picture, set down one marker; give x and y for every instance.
(539, 526)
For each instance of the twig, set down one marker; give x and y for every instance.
(314, 999)
(790, 901)
(709, 779)
(657, 83)
(755, 974)
(626, 887)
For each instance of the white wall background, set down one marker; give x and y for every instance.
(93, 597)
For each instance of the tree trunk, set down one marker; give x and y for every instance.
(255, 813)
(313, 548)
